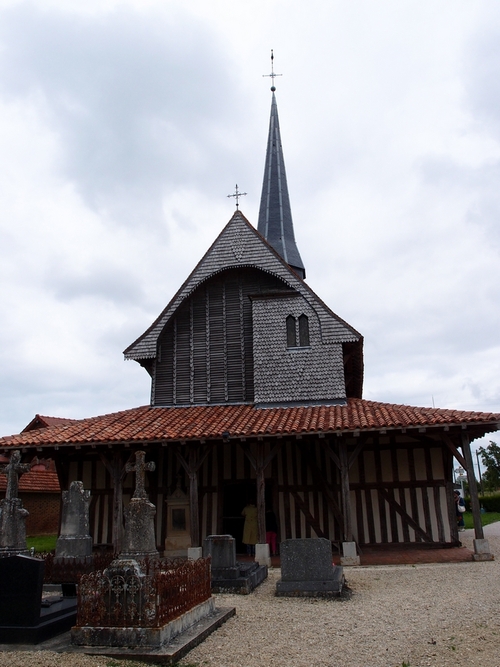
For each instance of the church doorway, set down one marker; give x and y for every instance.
(236, 496)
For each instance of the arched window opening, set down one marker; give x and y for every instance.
(291, 335)
(304, 331)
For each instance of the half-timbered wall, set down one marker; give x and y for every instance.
(400, 491)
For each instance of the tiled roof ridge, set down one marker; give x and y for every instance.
(197, 422)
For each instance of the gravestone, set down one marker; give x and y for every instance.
(24, 617)
(228, 575)
(12, 513)
(139, 538)
(307, 569)
(74, 540)
(178, 539)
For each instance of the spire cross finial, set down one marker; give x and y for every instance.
(272, 75)
(237, 195)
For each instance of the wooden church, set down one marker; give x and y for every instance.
(256, 393)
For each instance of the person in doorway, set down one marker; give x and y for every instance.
(271, 531)
(460, 509)
(250, 530)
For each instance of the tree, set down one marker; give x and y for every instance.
(491, 461)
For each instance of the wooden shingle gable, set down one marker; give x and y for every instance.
(240, 245)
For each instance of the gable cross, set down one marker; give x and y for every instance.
(140, 468)
(14, 469)
(237, 195)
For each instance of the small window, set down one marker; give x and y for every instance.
(291, 335)
(304, 331)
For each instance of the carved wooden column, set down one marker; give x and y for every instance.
(261, 492)
(196, 455)
(345, 491)
(259, 463)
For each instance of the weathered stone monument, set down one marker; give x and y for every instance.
(307, 569)
(12, 513)
(228, 575)
(24, 617)
(139, 604)
(139, 540)
(74, 540)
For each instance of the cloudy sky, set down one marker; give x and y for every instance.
(124, 125)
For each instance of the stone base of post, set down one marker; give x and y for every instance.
(194, 553)
(349, 554)
(482, 550)
(262, 556)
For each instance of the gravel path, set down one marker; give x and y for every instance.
(440, 615)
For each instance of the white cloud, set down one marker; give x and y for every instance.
(124, 125)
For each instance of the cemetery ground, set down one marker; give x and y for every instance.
(442, 615)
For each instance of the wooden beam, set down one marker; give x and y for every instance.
(345, 491)
(259, 463)
(328, 449)
(471, 478)
(322, 484)
(454, 451)
(313, 522)
(117, 471)
(354, 455)
(409, 520)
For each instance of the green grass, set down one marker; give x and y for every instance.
(42, 543)
(486, 518)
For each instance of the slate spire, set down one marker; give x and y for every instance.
(275, 215)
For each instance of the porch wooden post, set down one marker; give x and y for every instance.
(117, 473)
(474, 500)
(345, 491)
(193, 497)
(261, 493)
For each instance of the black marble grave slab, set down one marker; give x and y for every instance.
(23, 619)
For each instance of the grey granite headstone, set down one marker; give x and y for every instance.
(12, 513)
(307, 569)
(222, 549)
(228, 575)
(74, 540)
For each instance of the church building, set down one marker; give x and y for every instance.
(256, 395)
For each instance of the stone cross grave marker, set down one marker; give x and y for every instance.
(12, 513)
(140, 469)
(139, 539)
(13, 470)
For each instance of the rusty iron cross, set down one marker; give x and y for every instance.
(237, 195)
(14, 469)
(140, 469)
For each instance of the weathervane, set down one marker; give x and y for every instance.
(272, 75)
(237, 195)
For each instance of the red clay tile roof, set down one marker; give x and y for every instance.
(39, 421)
(205, 422)
(35, 481)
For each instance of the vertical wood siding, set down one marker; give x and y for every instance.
(205, 352)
